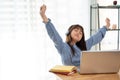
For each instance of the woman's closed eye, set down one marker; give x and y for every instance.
(78, 30)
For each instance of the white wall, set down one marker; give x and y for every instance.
(27, 53)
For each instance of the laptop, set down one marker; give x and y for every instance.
(99, 62)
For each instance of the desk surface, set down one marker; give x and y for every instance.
(77, 76)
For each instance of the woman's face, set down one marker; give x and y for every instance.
(76, 34)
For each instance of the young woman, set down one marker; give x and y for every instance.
(70, 50)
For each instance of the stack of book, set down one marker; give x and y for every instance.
(62, 69)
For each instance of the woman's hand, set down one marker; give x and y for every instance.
(42, 10)
(107, 20)
(42, 13)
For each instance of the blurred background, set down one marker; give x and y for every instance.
(26, 51)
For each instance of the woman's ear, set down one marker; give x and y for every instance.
(67, 33)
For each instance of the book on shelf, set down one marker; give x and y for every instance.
(63, 69)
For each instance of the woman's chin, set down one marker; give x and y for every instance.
(78, 40)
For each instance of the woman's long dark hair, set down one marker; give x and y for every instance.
(81, 44)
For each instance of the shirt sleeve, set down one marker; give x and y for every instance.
(54, 36)
(96, 38)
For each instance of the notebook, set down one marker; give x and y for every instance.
(99, 62)
(62, 69)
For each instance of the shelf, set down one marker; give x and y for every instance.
(117, 6)
(107, 30)
(108, 7)
(96, 8)
(113, 29)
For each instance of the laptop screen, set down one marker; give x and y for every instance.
(99, 62)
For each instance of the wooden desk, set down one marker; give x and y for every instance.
(77, 76)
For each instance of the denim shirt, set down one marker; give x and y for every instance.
(64, 49)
